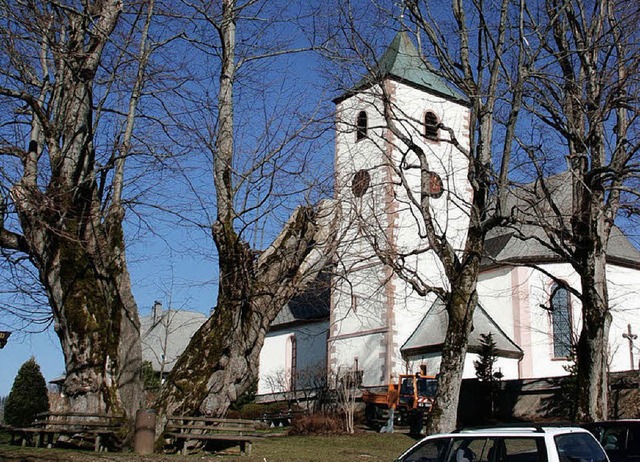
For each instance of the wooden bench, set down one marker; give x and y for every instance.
(183, 429)
(49, 428)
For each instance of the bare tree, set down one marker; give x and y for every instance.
(584, 90)
(475, 46)
(66, 194)
(346, 390)
(253, 285)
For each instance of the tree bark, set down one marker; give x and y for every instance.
(460, 308)
(77, 249)
(221, 361)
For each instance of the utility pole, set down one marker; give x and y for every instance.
(631, 337)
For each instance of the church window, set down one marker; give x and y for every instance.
(561, 322)
(434, 187)
(354, 302)
(431, 126)
(361, 126)
(292, 356)
(360, 183)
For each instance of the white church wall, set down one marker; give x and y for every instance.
(450, 211)
(495, 293)
(273, 366)
(529, 324)
(624, 302)
(364, 353)
(536, 334)
(276, 357)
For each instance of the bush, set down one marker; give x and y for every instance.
(317, 424)
(255, 411)
(28, 396)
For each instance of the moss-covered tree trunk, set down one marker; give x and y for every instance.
(76, 246)
(221, 361)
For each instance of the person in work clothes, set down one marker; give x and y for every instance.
(392, 399)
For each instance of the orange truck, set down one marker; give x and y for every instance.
(414, 392)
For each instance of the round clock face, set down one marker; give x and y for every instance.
(435, 188)
(360, 183)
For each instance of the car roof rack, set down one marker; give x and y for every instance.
(538, 427)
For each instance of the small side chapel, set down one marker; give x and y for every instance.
(369, 321)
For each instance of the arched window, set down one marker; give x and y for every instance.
(291, 358)
(561, 322)
(360, 183)
(431, 126)
(361, 125)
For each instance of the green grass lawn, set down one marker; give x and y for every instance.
(369, 447)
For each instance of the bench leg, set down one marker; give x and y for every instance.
(97, 446)
(245, 448)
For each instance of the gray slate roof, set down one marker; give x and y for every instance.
(430, 333)
(401, 61)
(312, 305)
(166, 337)
(504, 245)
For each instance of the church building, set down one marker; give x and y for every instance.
(368, 321)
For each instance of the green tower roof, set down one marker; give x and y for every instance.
(401, 61)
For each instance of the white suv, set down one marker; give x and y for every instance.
(508, 444)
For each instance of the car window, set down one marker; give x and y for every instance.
(523, 450)
(633, 439)
(433, 450)
(427, 387)
(406, 388)
(613, 438)
(579, 447)
(470, 449)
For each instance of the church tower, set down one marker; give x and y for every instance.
(377, 181)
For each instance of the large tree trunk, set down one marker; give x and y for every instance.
(82, 266)
(460, 307)
(77, 248)
(592, 368)
(592, 232)
(221, 361)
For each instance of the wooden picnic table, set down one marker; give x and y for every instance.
(180, 430)
(50, 428)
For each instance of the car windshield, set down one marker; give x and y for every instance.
(433, 450)
(407, 386)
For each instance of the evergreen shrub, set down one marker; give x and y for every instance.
(28, 396)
